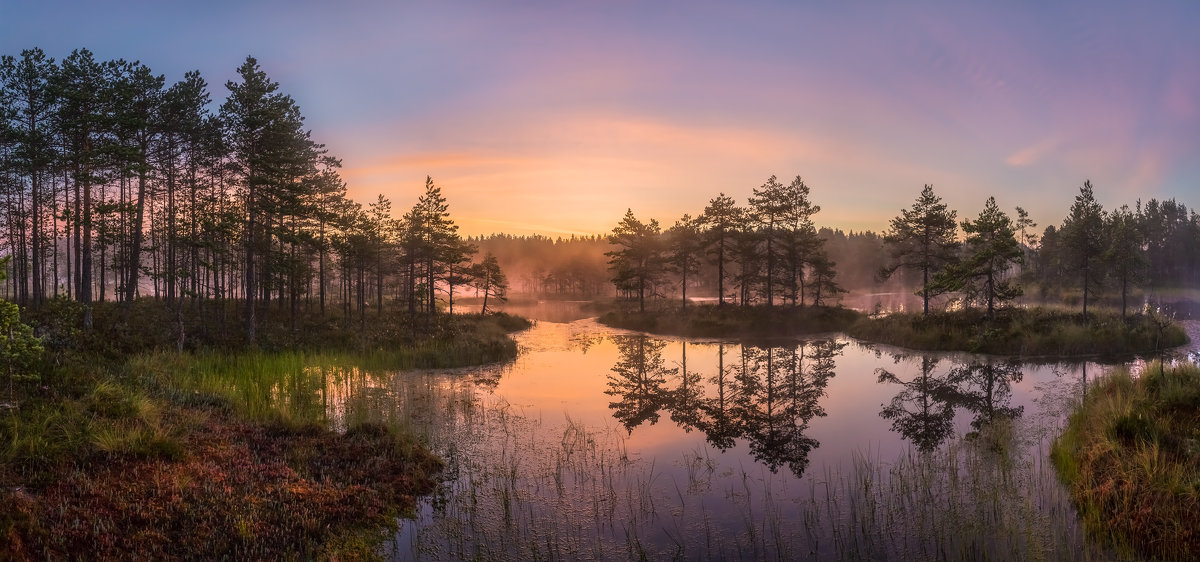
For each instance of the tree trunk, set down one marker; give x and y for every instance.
(721, 272)
(1085, 289)
(321, 263)
(1124, 293)
(683, 284)
(135, 250)
(770, 271)
(250, 280)
(487, 284)
(925, 289)
(36, 237)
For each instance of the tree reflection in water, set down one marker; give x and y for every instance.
(766, 396)
(985, 388)
(923, 410)
(687, 395)
(717, 418)
(639, 380)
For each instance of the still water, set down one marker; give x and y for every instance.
(599, 443)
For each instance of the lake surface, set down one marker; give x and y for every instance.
(599, 443)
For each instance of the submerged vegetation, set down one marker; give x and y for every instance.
(1025, 332)
(1130, 455)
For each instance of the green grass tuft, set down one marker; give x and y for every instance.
(1130, 455)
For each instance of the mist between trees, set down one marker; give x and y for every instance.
(115, 185)
(770, 252)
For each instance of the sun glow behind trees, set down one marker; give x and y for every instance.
(115, 186)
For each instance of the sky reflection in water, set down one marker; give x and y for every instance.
(599, 442)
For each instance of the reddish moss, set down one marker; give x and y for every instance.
(241, 491)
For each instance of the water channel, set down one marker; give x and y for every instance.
(598, 443)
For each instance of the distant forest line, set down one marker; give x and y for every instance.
(115, 185)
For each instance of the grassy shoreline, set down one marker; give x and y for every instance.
(124, 450)
(1021, 332)
(1130, 455)
(1025, 332)
(734, 321)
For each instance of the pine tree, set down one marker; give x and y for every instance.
(1124, 255)
(684, 247)
(27, 104)
(271, 154)
(799, 240)
(137, 97)
(992, 251)
(490, 281)
(721, 221)
(769, 207)
(84, 110)
(638, 265)
(922, 238)
(1083, 239)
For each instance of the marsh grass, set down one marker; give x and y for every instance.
(130, 452)
(526, 487)
(108, 420)
(154, 467)
(300, 388)
(1130, 455)
(1025, 332)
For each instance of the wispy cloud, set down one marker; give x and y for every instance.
(1034, 153)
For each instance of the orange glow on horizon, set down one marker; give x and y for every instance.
(578, 175)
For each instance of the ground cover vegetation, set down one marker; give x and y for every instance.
(116, 444)
(187, 278)
(1130, 455)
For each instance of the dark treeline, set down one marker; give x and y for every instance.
(770, 252)
(115, 185)
(1092, 251)
(1153, 244)
(576, 266)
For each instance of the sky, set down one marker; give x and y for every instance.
(555, 117)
